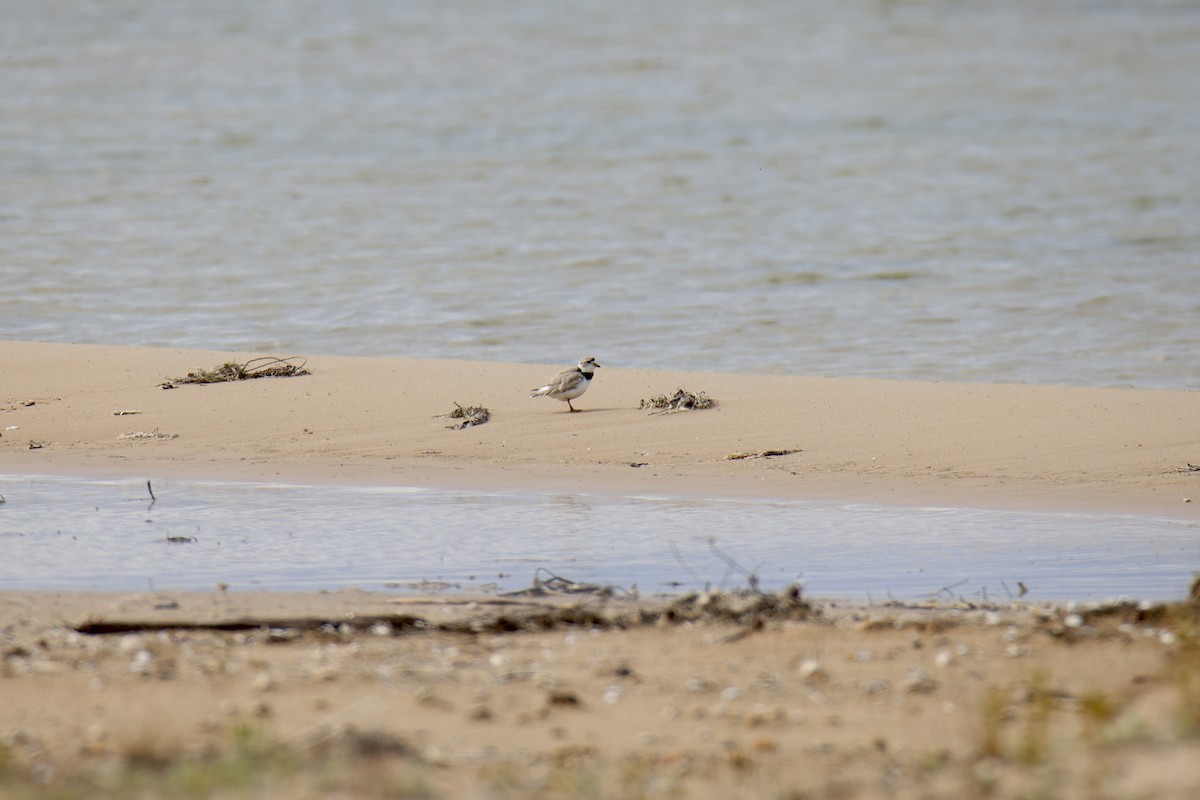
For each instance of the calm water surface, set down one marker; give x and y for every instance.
(70, 534)
(970, 190)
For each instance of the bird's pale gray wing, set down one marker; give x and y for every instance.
(566, 380)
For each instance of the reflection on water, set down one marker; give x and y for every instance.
(73, 534)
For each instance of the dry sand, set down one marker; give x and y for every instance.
(359, 695)
(367, 420)
(351, 694)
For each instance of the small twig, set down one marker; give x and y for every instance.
(679, 560)
(150, 489)
(763, 454)
(751, 577)
(1006, 591)
(946, 589)
(557, 583)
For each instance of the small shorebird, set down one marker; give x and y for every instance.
(570, 383)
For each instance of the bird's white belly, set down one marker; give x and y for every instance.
(572, 393)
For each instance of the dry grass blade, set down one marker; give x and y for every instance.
(682, 400)
(262, 367)
(470, 415)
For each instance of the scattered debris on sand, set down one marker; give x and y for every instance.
(560, 604)
(682, 400)
(262, 367)
(555, 584)
(470, 415)
(720, 687)
(126, 413)
(763, 454)
(154, 434)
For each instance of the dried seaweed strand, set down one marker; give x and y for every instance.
(682, 400)
(262, 367)
(470, 415)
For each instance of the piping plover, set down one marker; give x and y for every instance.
(570, 383)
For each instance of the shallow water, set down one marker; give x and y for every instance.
(58, 533)
(973, 190)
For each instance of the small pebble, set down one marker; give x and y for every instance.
(919, 681)
(262, 682)
(130, 644)
(320, 672)
(811, 669)
(141, 662)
